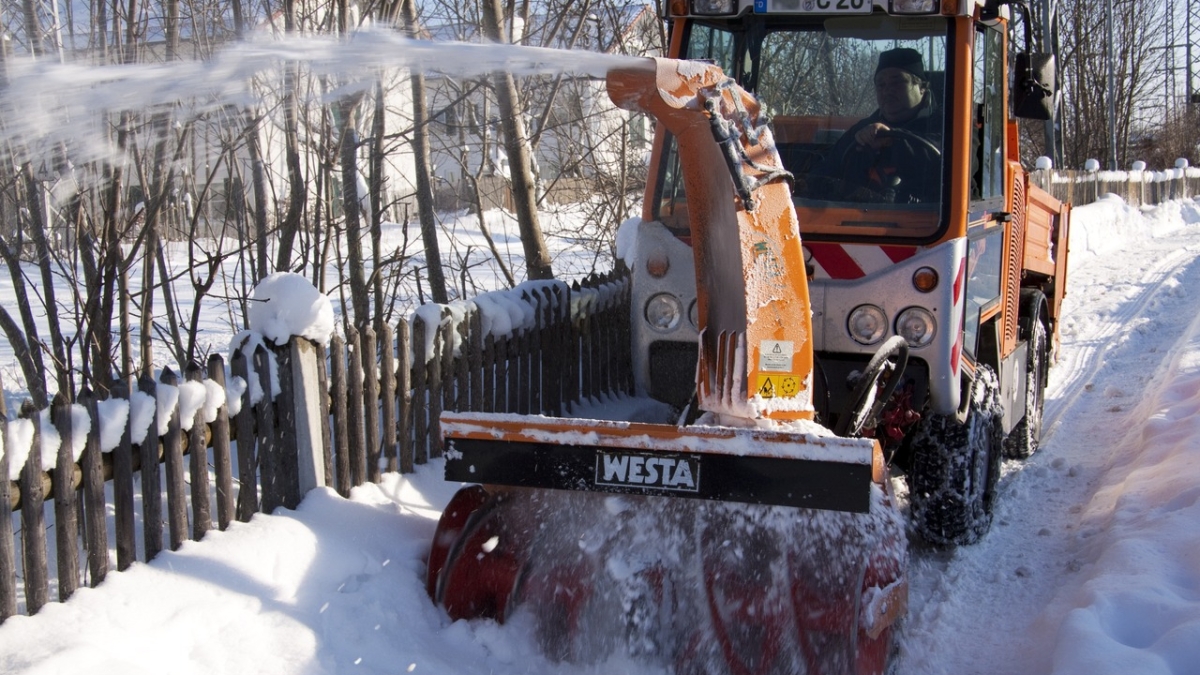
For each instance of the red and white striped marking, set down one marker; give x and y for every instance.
(853, 261)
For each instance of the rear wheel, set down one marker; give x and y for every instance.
(955, 467)
(1025, 437)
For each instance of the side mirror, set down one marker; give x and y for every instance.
(1033, 86)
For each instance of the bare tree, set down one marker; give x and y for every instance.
(1083, 73)
(537, 257)
(424, 189)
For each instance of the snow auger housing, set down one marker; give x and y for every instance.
(615, 536)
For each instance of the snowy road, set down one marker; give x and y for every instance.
(1090, 566)
(1130, 327)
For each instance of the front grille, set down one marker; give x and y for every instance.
(673, 371)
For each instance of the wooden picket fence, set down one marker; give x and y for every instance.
(378, 410)
(1137, 188)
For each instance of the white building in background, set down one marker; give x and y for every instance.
(576, 130)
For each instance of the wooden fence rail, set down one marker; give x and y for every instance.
(342, 415)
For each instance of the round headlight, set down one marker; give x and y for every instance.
(663, 312)
(916, 326)
(867, 324)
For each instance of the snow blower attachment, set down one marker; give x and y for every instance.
(755, 541)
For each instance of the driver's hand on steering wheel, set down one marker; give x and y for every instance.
(869, 135)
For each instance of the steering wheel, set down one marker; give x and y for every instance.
(909, 137)
(908, 157)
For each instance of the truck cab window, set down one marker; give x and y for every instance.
(987, 130)
(858, 112)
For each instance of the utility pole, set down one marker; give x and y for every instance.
(1112, 92)
(1192, 55)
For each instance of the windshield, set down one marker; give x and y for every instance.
(856, 107)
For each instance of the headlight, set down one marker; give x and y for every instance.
(916, 326)
(663, 312)
(867, 324)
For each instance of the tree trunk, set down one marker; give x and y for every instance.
(359, 294)
(429, 230)
(378, 182)
(38, 228)
(520, 165)
(259, 180)
(297, 188)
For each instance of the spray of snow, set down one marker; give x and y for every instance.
(60, 101)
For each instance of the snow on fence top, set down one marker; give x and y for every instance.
(284, 305)
(501, 313)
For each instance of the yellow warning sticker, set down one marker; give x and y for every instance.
(784, 386)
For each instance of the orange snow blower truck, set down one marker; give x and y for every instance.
(813, 330)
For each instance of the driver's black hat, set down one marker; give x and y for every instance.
(908, 60)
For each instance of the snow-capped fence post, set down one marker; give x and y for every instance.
(372, 448)
(461, 400)
(445, 381)
(491, 373)
(387, 395)
(527, 402)
(302, 460)
(198, 462)
(268, 455)
(341, 427)
(421, 402)
(95, 525)
(404, 378)
(357, 441)
(587, 352)
(33, 520)
(533, 383)
(515, 358)
(502, 369)
(222, 461)
(441, 384)
(575, 310)
(475, 360)
(284, 461)
(8, 552)
(151, 483)
(247, 500)
(122, 478)
(551, 353)
(323, 406)
(66, 521)
(177, 516)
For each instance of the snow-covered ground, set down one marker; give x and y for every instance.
(1091, 566)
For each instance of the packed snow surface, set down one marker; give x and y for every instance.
(1090, 566)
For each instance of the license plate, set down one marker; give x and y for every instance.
(812, 6)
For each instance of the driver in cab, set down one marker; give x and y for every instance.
(894, 154)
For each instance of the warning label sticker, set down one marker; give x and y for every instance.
(783, 386)
(776, 356)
